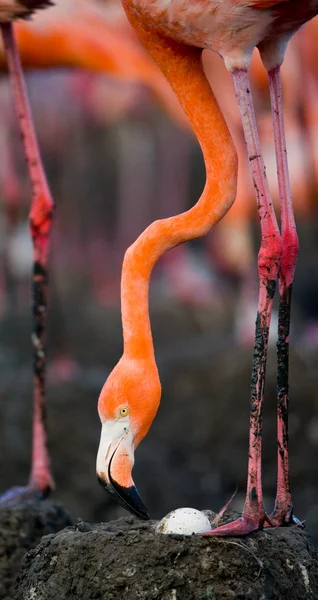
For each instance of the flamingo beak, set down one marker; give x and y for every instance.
(118, 468)
(128, 497)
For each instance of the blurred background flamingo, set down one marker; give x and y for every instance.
(40, 221)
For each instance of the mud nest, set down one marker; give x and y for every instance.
(126, 559)
(21, 528)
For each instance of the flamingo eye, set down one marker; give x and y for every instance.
(123, 411)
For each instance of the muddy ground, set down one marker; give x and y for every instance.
(126, 559)
(196, 451)
(21, 529)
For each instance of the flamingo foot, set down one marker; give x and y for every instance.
(240, 527)
(19, 495)
(283, 518)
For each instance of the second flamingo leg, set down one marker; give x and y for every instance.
(41, 213)
(269, 258)
(283, 512)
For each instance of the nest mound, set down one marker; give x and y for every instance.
(127, 559)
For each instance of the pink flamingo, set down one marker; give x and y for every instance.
(233, 28)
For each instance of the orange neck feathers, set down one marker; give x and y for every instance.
(182, 67)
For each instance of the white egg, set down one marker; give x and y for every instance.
(184, 521)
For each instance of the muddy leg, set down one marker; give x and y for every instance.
(253, 516)
(283, 511)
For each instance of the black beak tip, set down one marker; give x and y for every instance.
(128, 497)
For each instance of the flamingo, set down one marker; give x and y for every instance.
(175, 34)
(40, 221)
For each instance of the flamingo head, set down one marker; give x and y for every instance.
(127, 406)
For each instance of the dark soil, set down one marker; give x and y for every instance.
(126, 559)
(21, 528)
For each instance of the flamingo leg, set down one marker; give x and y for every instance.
(40, 220)
(283, 511)
(269, 258)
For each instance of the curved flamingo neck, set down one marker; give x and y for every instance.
(182, 67)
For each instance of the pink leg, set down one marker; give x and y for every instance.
(283, 512)
(40, 218)
(253, 516)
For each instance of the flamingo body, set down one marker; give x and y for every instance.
(175, 32)
(232, 28)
